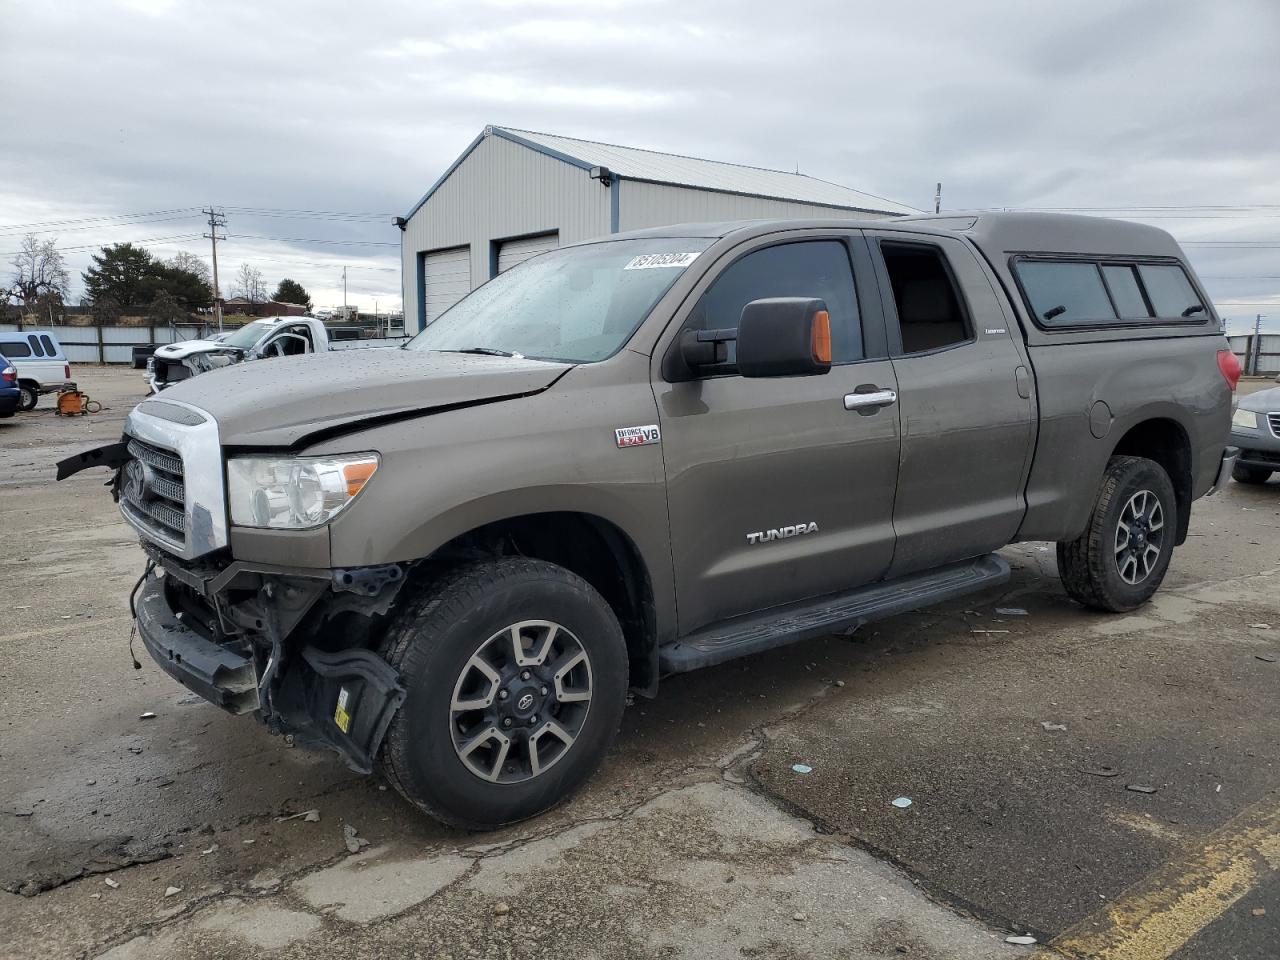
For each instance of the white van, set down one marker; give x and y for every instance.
(42, 365)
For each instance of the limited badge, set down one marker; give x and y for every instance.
(637, 436)
(340, 716)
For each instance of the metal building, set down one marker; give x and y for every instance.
(515, 193)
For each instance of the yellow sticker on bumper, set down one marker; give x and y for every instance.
(340, 716)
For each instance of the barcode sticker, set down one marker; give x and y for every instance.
(650, 261)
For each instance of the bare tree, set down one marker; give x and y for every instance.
(192, 264)
(38, 271)
(248, 284)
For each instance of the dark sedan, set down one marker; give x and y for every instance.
(10, 395)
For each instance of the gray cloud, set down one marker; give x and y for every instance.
(154, 104)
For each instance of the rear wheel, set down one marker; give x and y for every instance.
(1122, 556)
(516, 678)
(1246, 474)
(29, 397)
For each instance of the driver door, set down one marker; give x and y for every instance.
(290, 340)
(777, 490)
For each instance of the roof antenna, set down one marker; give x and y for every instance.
(937, 200)
(797, 168)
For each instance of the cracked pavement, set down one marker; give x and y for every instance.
(697, 838)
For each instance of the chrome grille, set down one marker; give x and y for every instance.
(153, 491)
(1273, 420)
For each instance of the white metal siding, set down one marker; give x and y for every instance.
(446, 279)
(511, 252)
(656, 205)
(502, 189)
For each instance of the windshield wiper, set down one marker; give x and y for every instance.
(484, 351)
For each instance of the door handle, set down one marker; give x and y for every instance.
(877, 398)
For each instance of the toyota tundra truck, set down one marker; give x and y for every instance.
(657, 452)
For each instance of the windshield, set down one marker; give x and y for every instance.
(578, 304)
(247, 335)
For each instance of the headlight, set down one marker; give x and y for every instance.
(294, 493)
(1245, 419)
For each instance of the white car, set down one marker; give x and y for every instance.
(40, 361)
(268, 337)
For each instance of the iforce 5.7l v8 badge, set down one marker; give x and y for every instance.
(637, 436)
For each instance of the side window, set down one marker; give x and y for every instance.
(49, 348)
(16, 350)
(809, 268)
(36, 349)
(1170, 291)
(1065, 292)
(929, 312)
(1122, 281)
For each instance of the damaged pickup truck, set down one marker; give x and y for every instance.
(656, 452)
(268, 337)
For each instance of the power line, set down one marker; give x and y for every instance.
(100, 226)
(181, 238)
(115, 216)
(352, 243)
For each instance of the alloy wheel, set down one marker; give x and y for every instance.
(1139, 537)
(520, 701)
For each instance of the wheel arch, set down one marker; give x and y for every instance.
(591, 546)
(1166, 441)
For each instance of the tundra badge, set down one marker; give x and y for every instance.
(637, 436)
(782, 533)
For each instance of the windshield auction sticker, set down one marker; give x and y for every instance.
(649, 261)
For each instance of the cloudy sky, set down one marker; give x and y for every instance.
(316, 121)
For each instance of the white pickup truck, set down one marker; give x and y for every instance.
(268, 337)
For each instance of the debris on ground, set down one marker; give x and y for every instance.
(799, 916)
(1267, 657)
(1259, 626)
(172, 891)
(839, 683)
(147, 716)
(501, 909)
(1050, 725)
(1011, 612)
(988, 631)
(212, 849)
(113, 884)
(1021, 941)
(1100, 771)
(307, 816)
(1259, 911)
(354, 843)
(1139, 788)
(902, 802)
(802, 768)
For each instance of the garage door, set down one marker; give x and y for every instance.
(511, 252)
(447, 280)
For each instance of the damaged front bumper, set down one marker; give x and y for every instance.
(288, 645)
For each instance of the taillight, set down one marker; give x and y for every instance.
(9, 374)
(1229, 364)
(66, 371)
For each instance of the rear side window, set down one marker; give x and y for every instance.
(35, 346)
(1171, 292)
(16, 349)
(1081, 292)
(1065, 293)
(812, 268)
(1123, 281)
(49, 348)
(929, 313)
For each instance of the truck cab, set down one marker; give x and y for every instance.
(266, 337)
(654, 453)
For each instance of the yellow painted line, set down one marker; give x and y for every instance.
(78, 624)
(1155, 917)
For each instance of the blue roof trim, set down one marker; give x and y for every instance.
(445, 176)
(545, 151)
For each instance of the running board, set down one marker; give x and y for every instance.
(837, 612)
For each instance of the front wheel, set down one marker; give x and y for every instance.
(1246, 474)
(1122, 556)
(516, 679)
(28, 397)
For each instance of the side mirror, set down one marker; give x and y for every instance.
(784, 337)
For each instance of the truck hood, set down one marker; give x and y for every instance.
(1264, 401)
(293, 401)
(185, 348)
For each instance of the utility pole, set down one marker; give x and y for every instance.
(216, 220)
(937, 200)
(345, 315)
(1257, 343)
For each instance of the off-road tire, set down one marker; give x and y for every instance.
(1254, 475)
(1087, 565)
(431, 643)
(29, 398)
